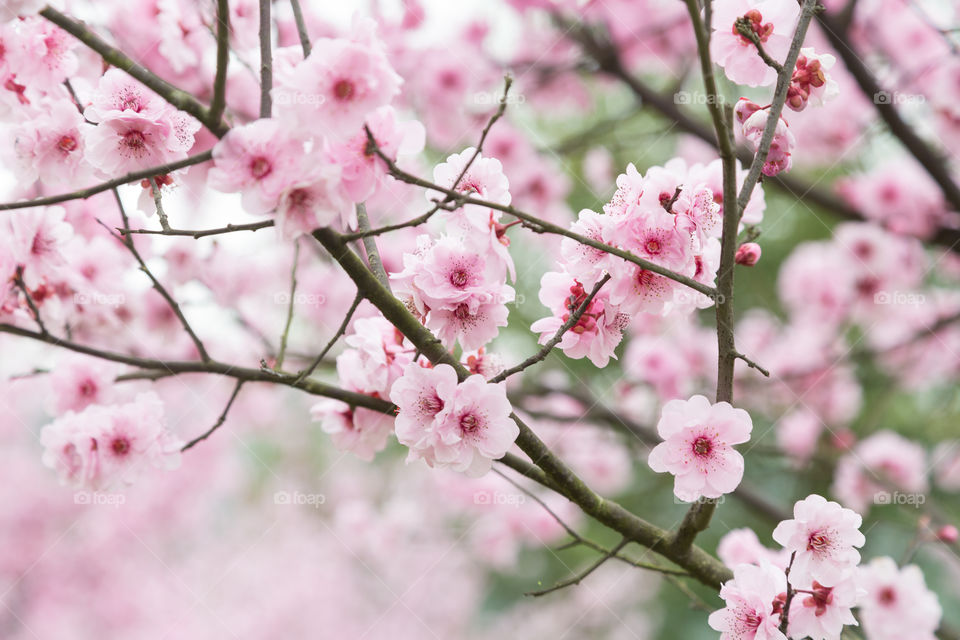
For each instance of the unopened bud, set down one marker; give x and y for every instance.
(748, 254)
(947, 533)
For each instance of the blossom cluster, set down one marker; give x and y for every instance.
(464, 426)
(457, 283)
(107, 446)
(670, 217)
(820, 561)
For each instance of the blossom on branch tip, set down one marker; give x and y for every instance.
(697, 447)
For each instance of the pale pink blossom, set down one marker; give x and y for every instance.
(898, 603)
(105, 446)
(598, 331)
(45, 54)
(79, 381)
(781, 146)
(697, 447)
(423, 395)
(312, 200)
(750, 598)
(823, 536)
(771, 20)
(878, 466)
(51, 147)
(37, 239)
(819, 612)
(361, 431)
(741, 546)
(259, 160)
(332, 92)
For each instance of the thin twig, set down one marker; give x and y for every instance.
(577, 579)
(548, 346)
(158, 203)
(301, 27)
(220, 420)
(201, 233)
(293, 297)
(336, 336)
(127, 241)
(135, 176)
(20, 284)
(745, 28)
(752, 364)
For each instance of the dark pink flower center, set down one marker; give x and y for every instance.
(120, 446)
(820, 597)
(469, 423)
(887, 596)
(67, 143)
(343, 90)
(134, 140)
(702, 446)
(260, 167)
(459, 278)
(431, 405)
(818, 541)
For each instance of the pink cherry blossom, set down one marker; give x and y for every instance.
(748, 254)
(818, 612)
(753, 122)
(750, 598)
(38, 237)
(882, 463)
(484, 180)
(361, 431)
(822, 535)
(45, 56)
(810, 81)
(79, 381)
(105, 446)
(257, 160)
(312, 200)
(129, 143)
(771, 20)
(340, 83)
(598, 331)
(697, 448)
(469, 426)
(898, 603)
(51, 147)
(742, 546)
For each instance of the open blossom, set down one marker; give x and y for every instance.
(36, 239)
(44, 54)
(361, 431)
(79, 381)
(752, 600)
(772, 22)
(484, 180)
(898, 603)
(697, 447)
(742, 546)
(810, 81)
(376, 356)
(818, 612)
(340, 83)
(823, 535)
(313, 200)
(885, 461)
(257, 160)
(51, 146)
(599, 329)
(753, 120)
(465, 428)
(106, 446)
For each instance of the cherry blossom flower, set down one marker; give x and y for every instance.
(898, 603)
(484, 180)
(469, 426)
(361, 431)
(313, 200)
(130, 143)
(750, 612)
(885, 461)
(822, 535)
(597, 332)
(79, 381)
(753, 122)
(51, 147)
(45, 56)
(334, 90)
(810, 81)
(105, 446)
(38, 237)
(697, 448)
(742, 546)
(820, 613)
(257, 160)
(771, 20)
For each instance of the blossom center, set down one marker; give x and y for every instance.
(459, 278)
(818, 541)
(431, 405)
(67, 143)
(134, 140)
(469, 423)
(120, 446)
(702, 446)
(260, 167)
(343, 90)
(887, 596)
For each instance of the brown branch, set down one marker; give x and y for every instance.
(577, 579)
(370, 246)
(176, 97)
(135, 176)
(301, 27)
(266, 60)
(219, 102)
(220, 420)
(201, 233)
(20, 284)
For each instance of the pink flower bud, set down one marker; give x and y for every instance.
(748, 254)
(947, 533)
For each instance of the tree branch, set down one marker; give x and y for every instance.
(220, 420)
(218, 103)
